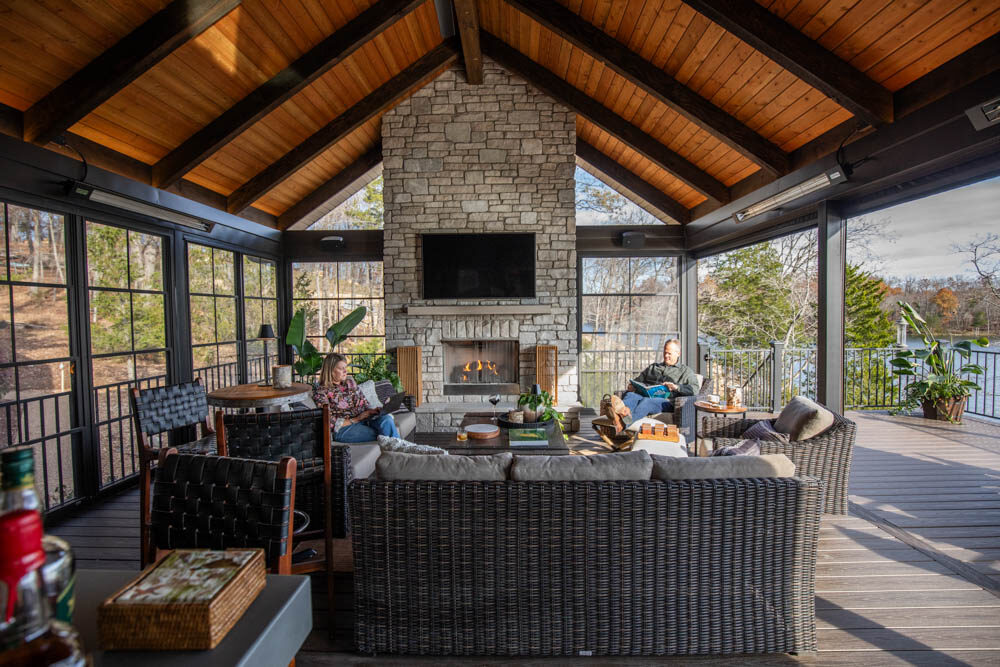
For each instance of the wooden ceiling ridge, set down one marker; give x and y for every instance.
(333, 50)
(123, 63)
(331, 188)
(654, 81)
(468, 30)
(801, 56)
(607, 120)
(374, 104)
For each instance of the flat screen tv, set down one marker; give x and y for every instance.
(460, 266)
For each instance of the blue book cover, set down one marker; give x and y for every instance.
(651, 390)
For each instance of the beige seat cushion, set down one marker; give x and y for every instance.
(406, 422)
(363, 458)
(400, 466)
(803, 418)
(623, 465)
(722, 467)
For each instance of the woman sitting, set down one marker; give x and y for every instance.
(351, 420)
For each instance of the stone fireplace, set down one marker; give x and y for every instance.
(481, 367)
(498, 157)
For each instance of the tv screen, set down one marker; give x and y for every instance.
(459, 266)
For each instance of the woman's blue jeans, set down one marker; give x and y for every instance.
(368, 430)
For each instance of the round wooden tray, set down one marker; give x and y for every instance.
(482, 431)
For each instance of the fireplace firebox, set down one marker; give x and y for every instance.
(481, 367)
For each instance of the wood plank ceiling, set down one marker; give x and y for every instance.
(264, 103)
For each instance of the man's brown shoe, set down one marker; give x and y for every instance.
(615, 410)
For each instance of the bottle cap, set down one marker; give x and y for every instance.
(20, 550)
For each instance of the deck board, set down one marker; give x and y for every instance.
(879, 601)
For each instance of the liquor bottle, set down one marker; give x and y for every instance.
(28, 636)
(17, 491)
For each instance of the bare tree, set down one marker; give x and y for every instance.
(984, 253)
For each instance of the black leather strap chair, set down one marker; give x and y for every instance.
(177, 409)
(213, 502)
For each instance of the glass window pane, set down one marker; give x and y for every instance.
(151, 364)
(37, 245)
(655, 275)
(199, 269)
(252, 315)
(228, 354)
(605, 275)
(145, 261)
(225, 318)
(604, 313)
(271, 315)
(6, 327)
(3, 241)
(251, 276)
(202, 320)
(112, 370)
(107, 261)
(202, 357)
(223, 271)
(268, 279)
(42, 380)
(41, 315)
(110, 322)
(149, 321)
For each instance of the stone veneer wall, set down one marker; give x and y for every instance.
(478, 159)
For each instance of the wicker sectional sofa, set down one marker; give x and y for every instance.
(629, 568)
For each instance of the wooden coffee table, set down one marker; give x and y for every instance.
(556, 446)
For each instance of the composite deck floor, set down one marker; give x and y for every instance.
(911, 577)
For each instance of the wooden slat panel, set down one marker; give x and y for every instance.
(409, 363)
(547, 369)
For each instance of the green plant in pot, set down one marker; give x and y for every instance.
(943, 391)
(537, 407)
(310, 360)
(375, 367)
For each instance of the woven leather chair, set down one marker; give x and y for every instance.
(211, 502)
(826, 456)
(177, 409)
(683, 416)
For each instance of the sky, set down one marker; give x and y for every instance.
(921, 234)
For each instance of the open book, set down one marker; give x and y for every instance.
(650, 390)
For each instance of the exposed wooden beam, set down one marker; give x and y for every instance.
(468, 30)
(383, 98)
(333, 187)
(604, 118)
(120, 65)
(654, 81)
(281, 87)
(980, 60)
(801, 56)
(627, 180)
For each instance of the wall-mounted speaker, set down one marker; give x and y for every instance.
(332, 243)
(633, 240)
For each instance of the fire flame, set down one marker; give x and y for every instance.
(479, 364)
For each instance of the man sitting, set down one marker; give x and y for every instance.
(676, 377)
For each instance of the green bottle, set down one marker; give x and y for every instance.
(17, 481)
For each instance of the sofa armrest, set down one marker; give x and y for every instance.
(341, 475)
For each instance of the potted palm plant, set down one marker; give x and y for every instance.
(310, 360)
(942, 388)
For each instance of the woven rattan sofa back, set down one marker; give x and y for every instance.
(585, 568)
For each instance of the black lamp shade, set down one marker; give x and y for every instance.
(265, 331)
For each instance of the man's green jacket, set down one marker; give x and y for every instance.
(680, 375)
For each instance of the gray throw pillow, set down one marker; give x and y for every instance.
(400, 466)
(599, 467)
(803, 418)
(763, 430)
(743, 448)
(389, 444)
(722, 467)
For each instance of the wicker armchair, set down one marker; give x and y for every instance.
(629, 568)
(177, 410)
(683, 416)
(211, 502)
(826, 456)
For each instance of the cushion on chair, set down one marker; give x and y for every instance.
(722, 467)
(743, 448)
(802, 419)
(363, 458)
(406, 422)
(764, 430)
(367, 390)
(700, 381)
(390, 444)
(400, 466)
(599, 467)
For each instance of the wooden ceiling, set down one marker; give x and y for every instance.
(269, 104)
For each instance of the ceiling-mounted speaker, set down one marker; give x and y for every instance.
(633, 240)
(331, 243)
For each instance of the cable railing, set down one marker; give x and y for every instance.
(770, 377)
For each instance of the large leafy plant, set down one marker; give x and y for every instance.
(310, 360)
(543, 399)
(375, 367)
(942, 365)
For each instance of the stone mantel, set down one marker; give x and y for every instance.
(480, 310)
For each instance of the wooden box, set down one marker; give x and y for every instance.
(190, 599)
(666, 432)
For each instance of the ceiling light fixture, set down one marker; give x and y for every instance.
(827, 178)
(99, 196)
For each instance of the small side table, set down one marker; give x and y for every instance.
(704, 406)
(258, 396)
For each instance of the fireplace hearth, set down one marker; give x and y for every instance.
(481, 367)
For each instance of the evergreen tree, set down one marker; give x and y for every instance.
(867, 324)
(368, 212)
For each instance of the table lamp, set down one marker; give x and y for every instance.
(266, 333)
